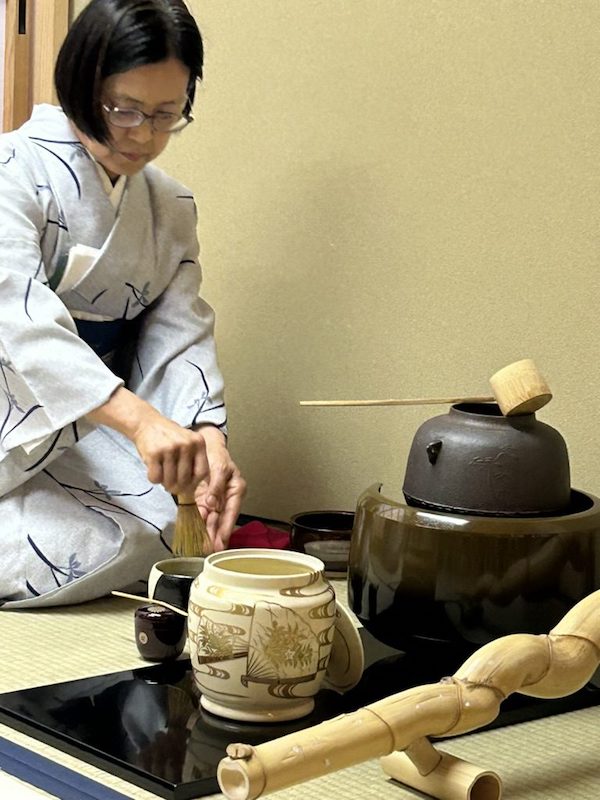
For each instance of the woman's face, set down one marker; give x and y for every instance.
(150, 88)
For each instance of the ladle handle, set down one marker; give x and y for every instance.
(414, 401)
(518, 388)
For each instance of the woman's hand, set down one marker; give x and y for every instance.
(174, 456)
(184, 461)
(219, 495)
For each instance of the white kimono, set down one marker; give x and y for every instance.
(91, 297)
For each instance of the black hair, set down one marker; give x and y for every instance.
(113, 36)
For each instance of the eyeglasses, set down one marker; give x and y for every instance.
(160, 121)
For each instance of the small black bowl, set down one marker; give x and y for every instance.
(324, 534)
(171, 580)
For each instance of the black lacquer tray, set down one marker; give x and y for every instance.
(146, 726)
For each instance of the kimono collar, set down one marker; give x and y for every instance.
(113, 190)
(72, 174)
(58, 128)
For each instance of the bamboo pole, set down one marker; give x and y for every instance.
(552, 665)
(452, 778)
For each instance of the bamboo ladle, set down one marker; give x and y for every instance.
(518, 388)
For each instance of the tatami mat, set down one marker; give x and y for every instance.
(65, 643)
(553, 759)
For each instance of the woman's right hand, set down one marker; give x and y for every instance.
(174, 456)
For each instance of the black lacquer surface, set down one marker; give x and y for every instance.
(146, 726)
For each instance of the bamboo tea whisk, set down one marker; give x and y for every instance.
(191, 536)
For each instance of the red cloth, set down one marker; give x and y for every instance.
(257, 534)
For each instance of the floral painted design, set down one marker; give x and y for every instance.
(282, 646)
(286, 646)
(61, 573)
(219, 642)
(14, 413)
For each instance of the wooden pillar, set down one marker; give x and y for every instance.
(34, 31)
(50, 24)
(17, 64)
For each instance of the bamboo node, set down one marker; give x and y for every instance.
(239, 750)
(467, 684)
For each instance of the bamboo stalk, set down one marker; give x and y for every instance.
(554, 665)
(452, 778)
(423, 755)
(373, 731)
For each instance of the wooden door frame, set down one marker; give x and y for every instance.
(17, 69)
(34, 31)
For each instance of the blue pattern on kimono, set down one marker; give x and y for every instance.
(79, 515)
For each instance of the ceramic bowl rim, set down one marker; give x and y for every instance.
(297, 523)
(314, 564)
(158, 567)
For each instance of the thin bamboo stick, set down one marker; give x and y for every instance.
(408, 401)
(151, 601)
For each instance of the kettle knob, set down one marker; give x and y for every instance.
(433, 451)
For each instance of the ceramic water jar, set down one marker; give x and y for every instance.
(265, 634)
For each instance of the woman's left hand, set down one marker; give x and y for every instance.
(220, 495)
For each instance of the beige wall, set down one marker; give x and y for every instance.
(397, 198)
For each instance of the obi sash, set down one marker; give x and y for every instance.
(103, 337)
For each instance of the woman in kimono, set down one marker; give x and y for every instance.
(111, 398)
